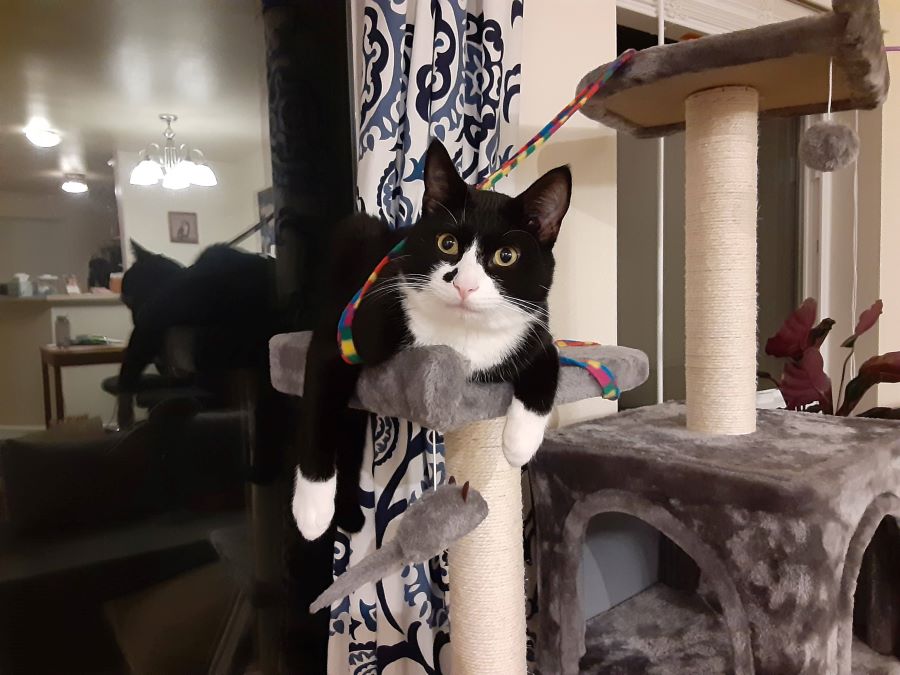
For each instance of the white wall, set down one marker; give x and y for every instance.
(223, 211)
(562, 41)
(53, 234)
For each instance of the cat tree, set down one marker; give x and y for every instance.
(716, 88)
(776, 517)
(429, 387)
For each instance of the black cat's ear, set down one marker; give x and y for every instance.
(444, 189)
(545, 203)
(138, 251)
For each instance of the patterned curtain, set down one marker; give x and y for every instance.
(430, 68)
(448, 69)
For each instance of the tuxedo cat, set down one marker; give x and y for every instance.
(474, 276)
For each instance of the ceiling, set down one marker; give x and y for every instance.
(101, 71)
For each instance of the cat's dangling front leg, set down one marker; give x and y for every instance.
(534, 391)
(328, 386)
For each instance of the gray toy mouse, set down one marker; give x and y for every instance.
(428, 527)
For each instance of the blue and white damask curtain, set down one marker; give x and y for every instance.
(448, 69)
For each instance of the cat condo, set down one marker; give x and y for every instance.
(774, 509)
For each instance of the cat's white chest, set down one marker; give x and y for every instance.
(483, 340)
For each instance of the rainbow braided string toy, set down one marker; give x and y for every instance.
(598, 371)
(553, 125)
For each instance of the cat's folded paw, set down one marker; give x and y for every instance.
(523, 433)
(313, 505)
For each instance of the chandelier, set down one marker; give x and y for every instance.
(177, 166)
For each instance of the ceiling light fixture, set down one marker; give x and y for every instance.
(75, 184)
(176, 166)
(40, 134)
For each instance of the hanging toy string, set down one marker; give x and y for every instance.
(345, 323)
(553, 125)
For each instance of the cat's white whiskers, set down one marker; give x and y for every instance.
(449, 212)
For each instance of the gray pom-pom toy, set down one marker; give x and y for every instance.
(428, 527)
(828, 146)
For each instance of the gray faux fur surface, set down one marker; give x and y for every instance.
(851, 34)
(666, 632)
(429, 386)
(658, 632)
(777, 521)
(828, 146)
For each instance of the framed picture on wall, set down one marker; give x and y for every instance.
(183, 228)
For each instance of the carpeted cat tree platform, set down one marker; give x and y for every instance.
(429, 386)
(777, 522)
(776, 509)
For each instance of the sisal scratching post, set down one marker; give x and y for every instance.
(487, 568)
(721, 134)
(716, 87)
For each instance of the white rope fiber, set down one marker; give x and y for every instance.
(487, 567)
(721, 135)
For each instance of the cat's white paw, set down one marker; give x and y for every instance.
(523, 433)
(313, 505)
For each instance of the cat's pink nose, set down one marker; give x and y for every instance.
(465, 289)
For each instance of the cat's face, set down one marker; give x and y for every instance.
(480, 259)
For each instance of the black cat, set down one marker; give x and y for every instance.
(474, 275)
(227, 296)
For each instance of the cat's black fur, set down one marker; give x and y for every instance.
(227, 296)
(530, 222)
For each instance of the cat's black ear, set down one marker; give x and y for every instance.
(545, 203)
(443, 186)
(138, 251)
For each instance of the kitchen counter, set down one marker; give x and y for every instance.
(26, 324)
(67, 300)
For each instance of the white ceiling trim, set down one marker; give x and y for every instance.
(722, 16)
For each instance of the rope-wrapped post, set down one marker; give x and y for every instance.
(487, 566)
(721, 137)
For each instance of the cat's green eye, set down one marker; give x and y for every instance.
(447, 244)
(506, 256)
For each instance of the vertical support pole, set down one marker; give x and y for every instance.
(721, 141)
(487, 566)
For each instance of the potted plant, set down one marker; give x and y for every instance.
(805, 386)
(804, 382)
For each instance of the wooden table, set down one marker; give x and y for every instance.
(61, 357)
